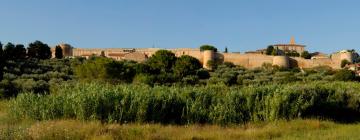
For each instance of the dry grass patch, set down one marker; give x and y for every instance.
(297, 129)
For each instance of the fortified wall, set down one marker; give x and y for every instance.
(246, 60)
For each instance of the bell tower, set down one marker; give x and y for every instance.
(292, 41)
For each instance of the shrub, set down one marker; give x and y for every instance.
(344, 63)
(162, 61)
(186, 65)
(106, 69)
(208, 47)
(203, 74)
(344, 75)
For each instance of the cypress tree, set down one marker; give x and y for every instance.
(39, 50)
(20, 51)
(2, 62)
(58, 52)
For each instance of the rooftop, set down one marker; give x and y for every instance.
(291, 43)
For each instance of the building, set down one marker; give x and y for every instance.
(319, 55)
(292, 46)
(354, 67)
(248, 60)
(67, 50)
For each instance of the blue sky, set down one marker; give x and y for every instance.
(322, 25)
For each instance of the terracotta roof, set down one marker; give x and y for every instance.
(350, 65)
(318, 54)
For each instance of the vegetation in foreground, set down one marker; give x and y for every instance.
(73, 129)
(11, 128)
(338, 101)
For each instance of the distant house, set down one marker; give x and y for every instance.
(292, 46)
(354, 67)
(261, 51)
(319, 55)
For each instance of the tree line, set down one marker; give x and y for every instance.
(35, 50)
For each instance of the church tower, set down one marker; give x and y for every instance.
(292, 41)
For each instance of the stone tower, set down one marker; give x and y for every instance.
(208, 55)
(282, 61)
(292, 41)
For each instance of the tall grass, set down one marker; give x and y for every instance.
(216, 104)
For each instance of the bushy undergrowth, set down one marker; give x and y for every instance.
(216, 104)
(38, 76)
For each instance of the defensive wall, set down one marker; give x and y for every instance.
(246, 60)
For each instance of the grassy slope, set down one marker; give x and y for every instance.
(73, 129)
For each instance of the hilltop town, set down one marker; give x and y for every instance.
(288, 55)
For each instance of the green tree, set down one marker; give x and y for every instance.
(344, 75)
(208, 47)
(162, 61)
(292, 53)
(58, 52)
(102, 54)
(203, 73)
(9, 51)
(186, 65)
(93, 68)
(2, 62)
(344, 62)
(20, 51)
(212, 64)
(306, 55)
(274, 52)
(39, 50)
(269, 50)
(226, 50)
(120, 71)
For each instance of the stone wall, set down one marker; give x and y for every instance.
(246, 60)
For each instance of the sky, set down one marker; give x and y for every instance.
(241, 25)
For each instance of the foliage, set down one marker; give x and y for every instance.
(38, 76)
(305, 55)
(269, 50)
(186, 65)
(58, 52)
(208, 47)
(106, 69)
(9, 51)
(344, 62)
(225, 74)
(203, 73)
(20, 51)
(162, 61)
(217, 104)
(2, 62)
(213, 64)
(39, 50)
(275, 52)
(344, 75)
(292, 53)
